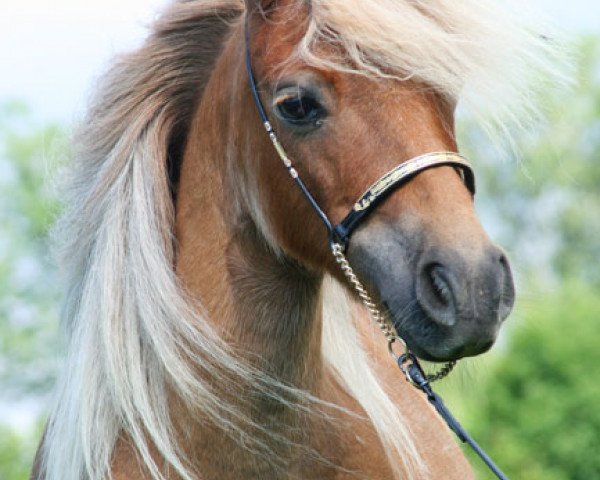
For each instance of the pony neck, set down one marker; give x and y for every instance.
(264, 304)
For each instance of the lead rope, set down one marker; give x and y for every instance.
(411, 368)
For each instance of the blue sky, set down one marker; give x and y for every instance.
(51, 51)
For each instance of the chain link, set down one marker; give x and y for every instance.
(442, 372)
(384, 324)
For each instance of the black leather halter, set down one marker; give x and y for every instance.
(340, 233)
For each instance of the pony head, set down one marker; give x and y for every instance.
(347, 114)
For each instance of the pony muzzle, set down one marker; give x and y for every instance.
(465, 297)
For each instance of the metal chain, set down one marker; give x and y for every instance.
(442, 372)
(381, 320)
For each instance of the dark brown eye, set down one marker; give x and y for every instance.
(300, 109)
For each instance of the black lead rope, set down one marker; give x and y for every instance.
(410, 366)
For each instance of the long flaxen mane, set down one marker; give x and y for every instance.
(134, 337)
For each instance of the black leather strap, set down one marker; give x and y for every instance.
(280, 150)
(409, 364)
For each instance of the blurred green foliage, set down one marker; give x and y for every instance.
(16, 453)
(29, 294)
(536, 404)
(29, 157)
(538, 410)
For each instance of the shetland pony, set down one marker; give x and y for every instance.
(211, 335)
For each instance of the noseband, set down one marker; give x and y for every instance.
(339, 237)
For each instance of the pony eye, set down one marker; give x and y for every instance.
(300, 109)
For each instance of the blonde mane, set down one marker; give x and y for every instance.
(134, 337)
(492, 56)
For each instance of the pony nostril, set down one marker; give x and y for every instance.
(504, 265)
(439, 285)
(434, 293)
(507, 299)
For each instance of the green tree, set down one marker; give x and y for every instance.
(28, 304)
(29, 155)
(538, 411)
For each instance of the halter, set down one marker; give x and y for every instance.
(340, 234)
(339, 237)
